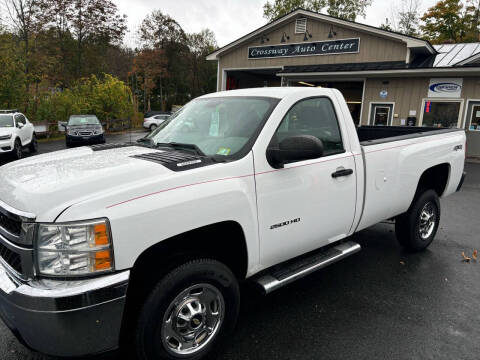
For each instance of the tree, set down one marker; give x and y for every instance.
(447, 21)
(278, 8)
(345, 9)
(27, 21)
(203, 72)
(95, 20)
(405, 18)
(150, 65)
(348, 9)
(158, 29)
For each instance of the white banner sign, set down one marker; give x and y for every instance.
(445, 88)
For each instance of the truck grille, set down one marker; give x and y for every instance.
(85, 133)
(12, 226)
(11, 258)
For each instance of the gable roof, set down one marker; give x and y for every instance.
(412, 42)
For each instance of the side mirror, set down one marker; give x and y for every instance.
(295, 148)
(20, 125)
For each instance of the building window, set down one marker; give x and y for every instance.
(442, 114)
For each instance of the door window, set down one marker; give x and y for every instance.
(475, 118)
(314, 117)
(382, 114)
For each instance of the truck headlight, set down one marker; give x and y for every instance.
(74, 249)
(71, 132)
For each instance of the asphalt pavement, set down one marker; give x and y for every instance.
(380, 303)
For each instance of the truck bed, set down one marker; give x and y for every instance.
(371, 135)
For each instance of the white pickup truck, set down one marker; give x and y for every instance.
(145, 244)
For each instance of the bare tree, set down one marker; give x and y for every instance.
(405, 17)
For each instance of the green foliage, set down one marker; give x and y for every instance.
(12, 77)
(449, 21)
(344, 9)
(108, 98)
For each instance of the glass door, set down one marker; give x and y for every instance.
(381, 114)
(472, 128)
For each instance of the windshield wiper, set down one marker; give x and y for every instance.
(181, 146)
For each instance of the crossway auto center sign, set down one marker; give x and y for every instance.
(445, 88)
(345, 46)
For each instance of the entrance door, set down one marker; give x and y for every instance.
(381, 114)
(472, 127)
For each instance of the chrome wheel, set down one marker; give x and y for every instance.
(428, 220)
(193, 319)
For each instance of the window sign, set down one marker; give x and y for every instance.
(445, 88)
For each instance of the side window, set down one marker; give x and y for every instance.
(314, 117)
(20, 119)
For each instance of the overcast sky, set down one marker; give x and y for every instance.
(229, 19)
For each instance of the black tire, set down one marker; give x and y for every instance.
(150, 341)
(68, 144)
(413, 233)
(153, 127)
(17, 152)
(33, 147)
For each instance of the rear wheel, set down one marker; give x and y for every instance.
(188, 312)
(33, 147)
(17, 150)
(416, 229)
(153, 127)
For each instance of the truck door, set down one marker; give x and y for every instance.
(23, 129)
(307, 204)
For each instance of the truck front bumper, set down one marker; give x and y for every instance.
(64, 318)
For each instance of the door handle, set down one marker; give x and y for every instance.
(343, 172)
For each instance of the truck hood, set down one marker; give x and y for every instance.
(52, 182)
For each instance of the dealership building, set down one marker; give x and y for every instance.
(387, 78)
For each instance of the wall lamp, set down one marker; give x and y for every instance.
(307, 36)
(263, 39)
(331, 33)
(285, 37)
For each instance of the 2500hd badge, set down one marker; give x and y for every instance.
(285, 223)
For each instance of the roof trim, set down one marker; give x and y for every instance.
(409, 40)
(386, 72)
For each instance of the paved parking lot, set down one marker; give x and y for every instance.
(381, 303)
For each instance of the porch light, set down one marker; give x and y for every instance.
(307, 35)
(331, 33)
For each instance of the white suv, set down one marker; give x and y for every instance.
(16, 133)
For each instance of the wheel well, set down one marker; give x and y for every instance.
(435, 178)
(224, 241)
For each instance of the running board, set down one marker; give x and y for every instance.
(294, 270)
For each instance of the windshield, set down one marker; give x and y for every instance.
(6, 120)
(216, 126)
(83, 120)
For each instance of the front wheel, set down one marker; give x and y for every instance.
(188, 312)
(17, 150)
(416, 229)
(33, 147)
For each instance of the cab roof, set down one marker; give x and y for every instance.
(273, 92)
